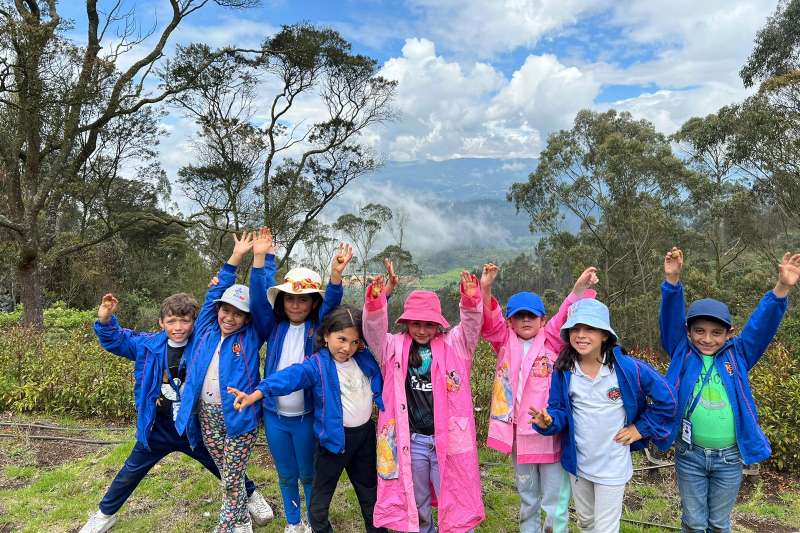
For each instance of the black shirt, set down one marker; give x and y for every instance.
(419, 395)
(174, 354)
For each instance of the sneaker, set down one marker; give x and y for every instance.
(302, 527)
(99, 523)
(260, 511)
(243, 528)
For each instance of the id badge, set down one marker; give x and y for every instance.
(686, 431)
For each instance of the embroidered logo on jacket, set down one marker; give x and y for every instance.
(614, 394)
(729, 368)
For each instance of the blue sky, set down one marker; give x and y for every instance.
(494, 78)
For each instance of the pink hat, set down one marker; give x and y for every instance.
(423, 306)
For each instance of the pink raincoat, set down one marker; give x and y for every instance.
(509, 410)
(460, 503)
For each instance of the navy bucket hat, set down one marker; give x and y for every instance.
(709, 308)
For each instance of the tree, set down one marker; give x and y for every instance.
(302, 167)
(363, 229)
(59, 104)
(401, 258)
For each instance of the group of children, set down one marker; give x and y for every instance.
(568, 403)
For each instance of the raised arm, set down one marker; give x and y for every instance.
(226, 277)
(763, 323)
(334, 292)
(672, 313)
(581, 289)
(375, 316)
(494, 328)
(468, 331)
(112, 337)
(263, 270)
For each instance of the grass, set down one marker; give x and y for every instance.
(433, 282)
(53, 487)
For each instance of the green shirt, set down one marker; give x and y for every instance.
(712, 419)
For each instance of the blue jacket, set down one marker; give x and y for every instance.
(275, 330)
(318, 374)
(148, 351)
(733, 362)
(238, 355)
(648, 400)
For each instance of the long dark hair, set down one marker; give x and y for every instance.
(414, 358)
(280, 312)
(343, 317)
(568, 356)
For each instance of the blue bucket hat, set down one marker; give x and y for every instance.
(525, 301)
(709, 308)
(590, 312)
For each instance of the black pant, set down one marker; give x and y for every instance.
(358, 460)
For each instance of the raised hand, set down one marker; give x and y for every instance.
(108, 304)
(263, 243)
(673, 264)
(469, 284)
(586, 280)
(243, 399)
(241, 245)
(375, 288)
(343, 256)
(393, 278)
(627, 435)
(213, 282)
(489, 274)
(788, 274)
(540, 418)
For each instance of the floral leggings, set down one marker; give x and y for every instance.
(231, 456)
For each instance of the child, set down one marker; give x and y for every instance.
(157, 392)
(526, 350)
(717, 430)
(609, 404)
(344, 382)
(427, 431)
(296, 310)
(225, 353)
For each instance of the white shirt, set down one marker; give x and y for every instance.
(356, 394)
(599, 414)
(211, 393)
(525, 346)
(292, 352)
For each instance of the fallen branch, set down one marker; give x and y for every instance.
(36, 425)
(65, 439)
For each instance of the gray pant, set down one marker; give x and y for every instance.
(424, 473)
(542, 486)
(599, 507)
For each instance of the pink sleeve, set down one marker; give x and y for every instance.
(375, 324)
(466, 334)
(495, 328)
(553, 327)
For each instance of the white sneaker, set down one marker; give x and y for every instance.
(99, 523)
(260, 511)
(243, 528)
(302, 527)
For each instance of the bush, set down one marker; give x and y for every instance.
(57, 316)
(63, 373)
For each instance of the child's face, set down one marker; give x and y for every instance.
(525, 324)
(178, 328)
(422, 331)
(297, 307)
(231, 319)
(343, 343)
(708, 335)
(586, 340)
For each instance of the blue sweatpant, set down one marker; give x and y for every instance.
(292, 441)
(163, 441)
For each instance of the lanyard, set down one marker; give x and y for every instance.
(700, 392)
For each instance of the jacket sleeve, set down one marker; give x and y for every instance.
(556, 407)
(292, 378)
(207, 314)
(116, 339)
(468, 331)
(761, 328)
(655, 421)
(494, 328)
(260, 311)
(553, 327)
(375, 324)
(672, 317)
(333, 298)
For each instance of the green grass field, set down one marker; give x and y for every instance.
(54, 486)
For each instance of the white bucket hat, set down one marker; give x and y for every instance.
(298, 280)
(238, 296)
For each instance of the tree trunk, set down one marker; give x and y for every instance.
(31, 292)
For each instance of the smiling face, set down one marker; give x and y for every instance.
(422, 331)
(525, 324)
(708, 335)
(343, 343)
(297, 307)
(587, 341)
(231, 319)
(178, 328)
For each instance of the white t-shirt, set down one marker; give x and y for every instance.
(211, 393)
(293, 351)
(599, 414)
(525, 346)
(356, 394)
